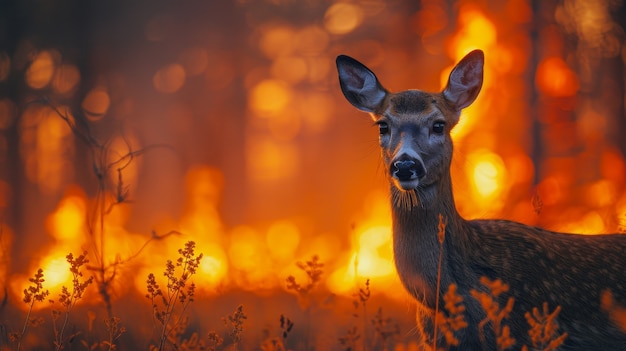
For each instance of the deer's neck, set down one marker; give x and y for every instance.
(416, 244)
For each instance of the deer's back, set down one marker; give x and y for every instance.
(584, 274)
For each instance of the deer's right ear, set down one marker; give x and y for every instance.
(465, 80)
(359, 85)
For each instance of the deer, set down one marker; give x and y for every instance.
(583, 274)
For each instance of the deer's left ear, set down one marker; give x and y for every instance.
(359, 84)
(465, 80)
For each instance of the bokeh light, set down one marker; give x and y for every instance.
(170, 78)
(269, 97)
(555, 78)
(96, 103)
(66, 79)
(41, 70)
(343, 17)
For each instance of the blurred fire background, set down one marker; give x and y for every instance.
(222, 122)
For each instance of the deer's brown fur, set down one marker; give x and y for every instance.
(567, 270)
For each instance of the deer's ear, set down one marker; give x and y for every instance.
(465, 80)
(359, 85)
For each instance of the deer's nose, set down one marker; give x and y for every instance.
(406, 170)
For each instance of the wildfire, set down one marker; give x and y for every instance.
(67, 226)
(67, 223)
(555, 78)
(371, 256)
(255, 182)
(488, 174)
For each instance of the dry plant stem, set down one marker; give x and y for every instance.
(98, 152)
(103, 168)
(31, 294)
(440, 237)
(495, 313)
(364, 296)
(111, 343)
(349, 340)
(214, 340)
(69, 299)
(285, 325)
(19, 341)
(313, 270)
(178, 291)
(383, 329)
(236, 321)
(544, 329)
(168, 315)
(307, 342)
(114, 330)
(59, 335)
(106, 272)
(172, 298)
(364, 326)
(454, 320)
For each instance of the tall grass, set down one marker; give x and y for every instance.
(171, 300)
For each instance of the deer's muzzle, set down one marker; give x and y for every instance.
(407, 172)
(404, 170)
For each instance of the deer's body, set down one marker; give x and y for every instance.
(585, 275)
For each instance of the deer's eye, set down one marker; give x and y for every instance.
(438, 127)
(383, 128)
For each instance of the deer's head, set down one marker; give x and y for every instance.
(414, 125)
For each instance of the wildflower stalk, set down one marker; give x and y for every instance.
(176, 292)
(236, 321)
(454, 318)
(314, 271)
(544, 329)
(384, 329)
(441, 234)
(364, 295)
(175, 287)
(495, 313)
(114, 330)
(33, 293)
(68, 299)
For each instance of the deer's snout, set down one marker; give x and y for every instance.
(407, 172)
(404, 170)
